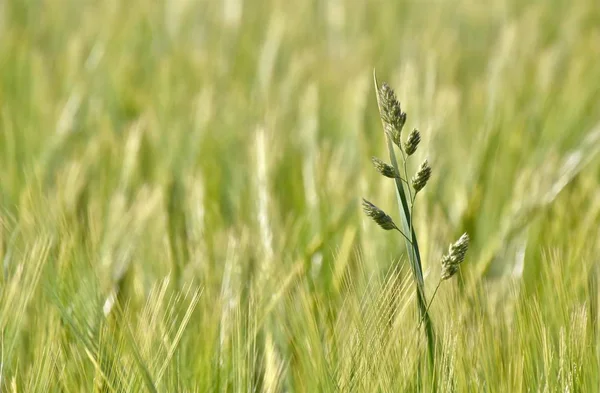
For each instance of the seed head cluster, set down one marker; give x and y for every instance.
(378, 215)
(454, 257)
(391, 114)
(385, 169)
(423, 174)
(410, 146)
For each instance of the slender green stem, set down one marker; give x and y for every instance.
(430, 301)
(404, 235)
(412, 206)
(411, 197)
(406, 177)
(411, 220)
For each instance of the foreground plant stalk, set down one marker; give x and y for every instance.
(393, 120)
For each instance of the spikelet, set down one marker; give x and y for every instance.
(385, 169)
(454, 257)
(378, 215)
(423, 174)
(391, 114)
(410, 146)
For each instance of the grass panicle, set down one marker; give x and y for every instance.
(422, 176)
(378, 215)
(391, 114)
(393, 120)
(454, 257)
(385, 169)
(412, 142)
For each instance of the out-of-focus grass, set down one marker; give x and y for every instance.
(179, 187)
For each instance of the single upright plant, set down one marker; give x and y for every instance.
(393, 120)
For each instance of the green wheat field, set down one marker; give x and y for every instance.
(182, 184)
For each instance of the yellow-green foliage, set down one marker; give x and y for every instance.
(180, 186)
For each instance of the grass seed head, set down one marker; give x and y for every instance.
(412, 142)
(378, 215)
(458, 250)
(391, 113)
(448, 271)
(423, 174)
(385, 169)
(456, 255)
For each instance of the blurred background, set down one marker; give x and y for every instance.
(227, 144)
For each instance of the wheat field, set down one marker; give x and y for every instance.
(181, 186)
